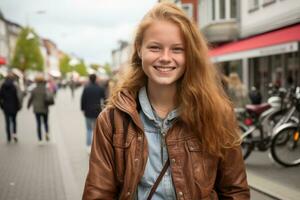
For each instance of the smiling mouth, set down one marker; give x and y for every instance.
(164, 68)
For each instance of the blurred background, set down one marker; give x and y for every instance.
(253, 43)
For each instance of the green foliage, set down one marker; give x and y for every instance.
(95, 66)
(64, 65)
(27, 54)
(108, 70)
(81, 68)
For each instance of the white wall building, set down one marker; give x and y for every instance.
(266, 49)
(259, 16)
(4, 45)
(121, 56)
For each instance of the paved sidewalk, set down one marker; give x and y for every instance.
(29, 171)
(270, 178)
(53, 171)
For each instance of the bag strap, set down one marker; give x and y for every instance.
(162, 173)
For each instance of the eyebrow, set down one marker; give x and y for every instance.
(176, 44)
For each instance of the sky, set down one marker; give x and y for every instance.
(88, 29)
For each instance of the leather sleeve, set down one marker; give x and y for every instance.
(101, 180)
(231, 182)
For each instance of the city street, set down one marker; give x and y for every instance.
(57, 170)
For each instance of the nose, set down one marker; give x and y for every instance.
(165, 56)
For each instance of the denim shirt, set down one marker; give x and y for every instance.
(155, 130)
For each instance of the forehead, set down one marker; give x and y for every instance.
(163, 31)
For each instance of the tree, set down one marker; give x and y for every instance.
(81, 68)
(108, 70)
(95, 66)
(27, 54)
(64, 65)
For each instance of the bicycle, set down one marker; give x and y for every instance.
(285, 148)
(257, 122)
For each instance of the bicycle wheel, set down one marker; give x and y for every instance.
(288, 153)
(247, 145)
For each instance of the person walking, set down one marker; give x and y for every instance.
(38, 99)
(237, 91)
(168, 130)
(92, 98)
(10, 104)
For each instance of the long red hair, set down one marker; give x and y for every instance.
(203, 105)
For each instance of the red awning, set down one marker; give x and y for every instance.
(285, 35)
(2, 60)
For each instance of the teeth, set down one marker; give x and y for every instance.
(164, 69)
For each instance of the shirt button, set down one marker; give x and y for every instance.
(180, 193)
(139, 138)
(173, 160)
(128, 193)
(136, 160)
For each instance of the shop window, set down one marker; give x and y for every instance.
(213, 10)
(233, 9)
(222, 9)
(268, 2)
(253, 5)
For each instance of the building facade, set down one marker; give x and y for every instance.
(265, 46)
(4, 42)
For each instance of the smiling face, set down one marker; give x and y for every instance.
(162, 53)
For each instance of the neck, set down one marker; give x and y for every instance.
(162, 98)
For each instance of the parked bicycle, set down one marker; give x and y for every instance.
(257, 122)
(285, 148)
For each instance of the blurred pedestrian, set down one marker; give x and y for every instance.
(255, 96)
(39, 98)
(237, 91)
(10, 103)
(168, 120)
(52, 86)
(92, 98)
(72, 87)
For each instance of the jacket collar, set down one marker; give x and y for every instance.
(126, 102)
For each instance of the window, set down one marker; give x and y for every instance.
(213, 10)
(222, 9)
(188, 8)
(253, 5)
(268, 2)
(233, 9)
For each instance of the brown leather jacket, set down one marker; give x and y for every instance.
(117, 165)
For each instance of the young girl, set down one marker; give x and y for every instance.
(168, 118)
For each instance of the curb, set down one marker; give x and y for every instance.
(271, 188)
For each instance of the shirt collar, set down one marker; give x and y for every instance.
(149, 111)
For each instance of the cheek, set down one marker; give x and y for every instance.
(148, 59)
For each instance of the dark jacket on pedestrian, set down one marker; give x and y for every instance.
(38, 98)
(91, 100)
(118, 160)
(9, 100)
